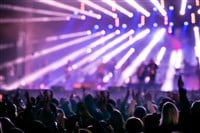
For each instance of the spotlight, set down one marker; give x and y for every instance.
(171, 23)
(171, 8)
(198, 11)
(189, 6)
(117, 32)
(96, 27)
(89, 50)
(155, 24)
(155, 9)
(103, 32)
(124, 26)
(110, 26)
(186, 23)
(98, 17)
(89, 32)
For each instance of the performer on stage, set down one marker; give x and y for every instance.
(141, 73)
(198, 70)
(152, 70)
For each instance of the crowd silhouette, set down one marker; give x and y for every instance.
(136, 112)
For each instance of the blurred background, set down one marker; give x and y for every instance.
(98, 43)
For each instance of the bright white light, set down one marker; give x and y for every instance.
(49, 50)
(160, 55)
(118, 7)
(171, 23)
(124, 26)
(33, 19)
(169, 77)
(159, 7)
(89, 32)
(183, 6)
(186, 23)
(171, 8)
(103, 32)
(124, 58)
(69, 8)
(110, 26)
(197, 41)
(96, 27)
(107, 77)
(142, 56)
(122, 47)
(189, 6)
(97, 7)
(138, 7)
(55, 65)
(94, 58)
(65, 36)
(198, 11)
(38, 11)
(155, 24)
(89, 50)
(179, 59)
(117, 32)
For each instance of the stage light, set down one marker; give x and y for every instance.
(33, 19)
(193, 18)
(89, 32)
(189, 6)
(125, 45)
(118, 7)
(49, 50)
(138, 7)
(171, 8)
(131, 69)
(89, 50)
(38, 11)
(110, 26)
(103, 32)
(97, 7)
(162, 3)
(69, 8)
(155, 9)
(186, 23)
(183, 6)
(155, 24)
(65, 36)
(107, 77)
(51, 67)
(142, 20)
(197, 3)
(159, 7)
(124, 26)
(197, 41)
(160, 55)
(92, 45)
(117, 32)
(171, 23)
(140, 25)
(198, 11)
(102, 50)
(169, 77)
(96, 27)
(117, 22)
(124, 58)
(170, 29)
(179, 59)
(165, 20)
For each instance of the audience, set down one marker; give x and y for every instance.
(138, 112)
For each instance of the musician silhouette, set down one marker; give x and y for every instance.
(141, 73)
(152, 70)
